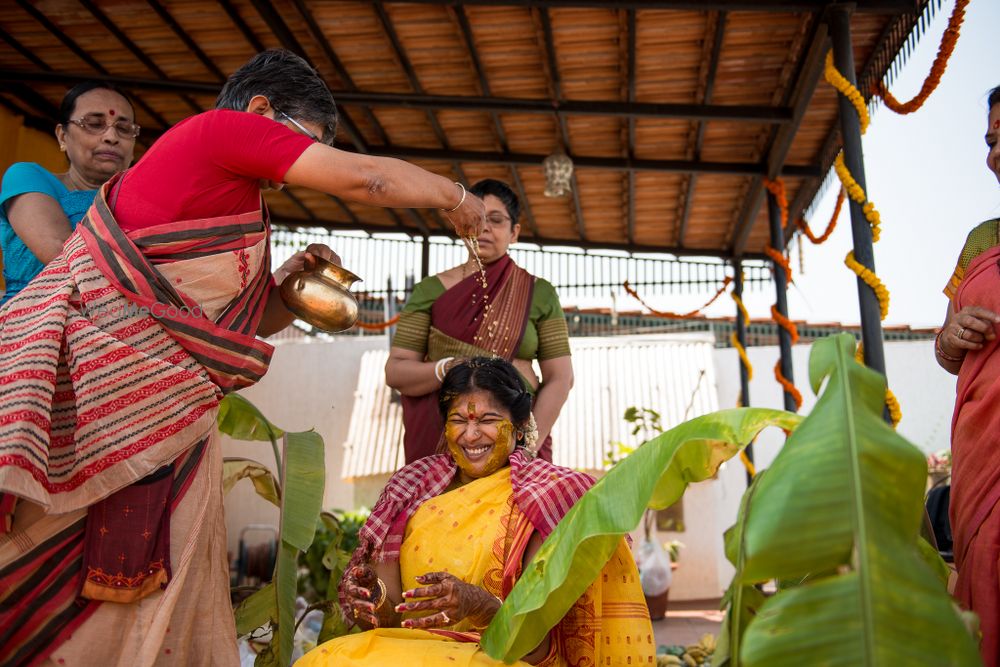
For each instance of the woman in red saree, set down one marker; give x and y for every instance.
(968, 346)
(451, 316)
(115, 357)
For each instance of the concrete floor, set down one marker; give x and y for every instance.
(686, 621)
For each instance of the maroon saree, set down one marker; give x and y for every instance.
(468, 320)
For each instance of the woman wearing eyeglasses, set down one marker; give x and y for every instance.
(39, 209)
(114, 359)
(453, 315)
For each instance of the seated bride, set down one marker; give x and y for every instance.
(451, 534)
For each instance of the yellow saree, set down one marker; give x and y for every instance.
(477, 533)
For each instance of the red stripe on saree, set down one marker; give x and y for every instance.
(493, 319)
(113, 393)
(975, 485)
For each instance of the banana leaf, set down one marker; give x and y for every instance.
(845, 495)
(303, 474)
(741, 601)
(255, 611)
(235, 469)
(302, 481)
(655, 475)
(240, 419)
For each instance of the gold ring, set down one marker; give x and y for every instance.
(961, 333)
(447, 619)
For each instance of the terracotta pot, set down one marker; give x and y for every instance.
(657, 604)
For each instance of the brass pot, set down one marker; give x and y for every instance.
(321, 296)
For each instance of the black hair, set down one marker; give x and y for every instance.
(68, 105)
(503, 192)
(289, 83)
(994, 97)
(496, 376)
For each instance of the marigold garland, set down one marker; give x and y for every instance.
(857, 193)
(677, 316)
(869, 278)
(780, 260)
(777, 188)
(830, 226)
(786, 324)
(748, 464)
(377, 326)
(742, 351)
(947, 46)
(847, 89)
(787, 385)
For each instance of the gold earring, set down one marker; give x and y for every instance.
(62, 147)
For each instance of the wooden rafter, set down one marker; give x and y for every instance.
(781, 143)
(718, 35)
(351, 95)
(556, 84)
(83, 55)
(484, 89)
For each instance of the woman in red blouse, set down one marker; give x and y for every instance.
(115, 358)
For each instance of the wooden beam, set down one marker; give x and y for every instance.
(783, 6)
(277, 24)
(555, 243)
(690, 112)
(586, 162)
(133, 48)
(630, 54)
(324, 45)
(84, 56)
(713, 67)
(484, 89)
(411, 76)
(182, 34)
(241, 25)
(781, 144)
(556, 82)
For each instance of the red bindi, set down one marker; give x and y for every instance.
(111, 112)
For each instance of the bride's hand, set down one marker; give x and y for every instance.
(451, 598)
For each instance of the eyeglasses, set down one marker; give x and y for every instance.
(297, 124)
(95, 123)
(498, 219)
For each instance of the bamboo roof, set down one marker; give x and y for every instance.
(673, 111)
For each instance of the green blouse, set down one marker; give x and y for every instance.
(545, 336)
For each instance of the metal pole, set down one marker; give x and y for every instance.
(850, 129)
(741, 336)
(781, 298)
(425, 256)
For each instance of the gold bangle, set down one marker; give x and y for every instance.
(382, 594)
(460, 201)
(940, 350)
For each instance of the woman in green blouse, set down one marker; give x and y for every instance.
(453, 315)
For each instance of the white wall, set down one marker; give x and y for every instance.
(310, 385)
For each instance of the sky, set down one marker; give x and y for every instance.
(926, 173)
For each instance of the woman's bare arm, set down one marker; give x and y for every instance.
(387, 182)
(408, 373)
(40, 223)
(557, 380)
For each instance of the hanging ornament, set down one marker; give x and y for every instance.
(558, 169)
